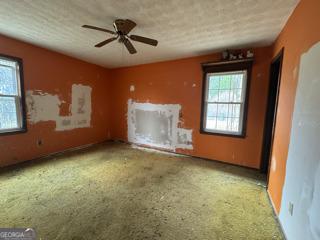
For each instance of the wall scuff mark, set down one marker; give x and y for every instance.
(302, 182)
(45, 107)
(156, 125)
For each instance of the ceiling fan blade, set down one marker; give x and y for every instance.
(128, 26)
(99, 29)
(129, 46)
(105, 42)
(144, 40)
(124, 26)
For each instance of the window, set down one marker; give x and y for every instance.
(225, 98)
(12, 114)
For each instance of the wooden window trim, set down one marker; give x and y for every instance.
(227, 66)
(23, 127)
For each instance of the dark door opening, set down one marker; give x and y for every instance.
(270, 119)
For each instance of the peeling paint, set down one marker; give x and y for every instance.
(44, 107)
(184, 137)
(156, 125)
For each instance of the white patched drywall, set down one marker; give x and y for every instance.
(46, 107)
(156, 125)
(42, 106)
(302, 182)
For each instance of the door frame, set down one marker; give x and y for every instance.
(266, 160)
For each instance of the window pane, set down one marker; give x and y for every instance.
(240, 80)
(224, 102)
(236, 81)
(223, 110)
(211, 123)
(223, 117)
(234, 124)
(224, 95)
(234, 110)
(236, 95)
(214, 82)
(212, 110)
(213, 95)
(8, 82)
(225, 81)
(222, 123)
(8, 114)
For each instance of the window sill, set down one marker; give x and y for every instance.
(242, 135)
(13, 131)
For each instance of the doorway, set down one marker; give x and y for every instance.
(271, 113)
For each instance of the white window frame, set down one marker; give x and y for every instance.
(19, 97)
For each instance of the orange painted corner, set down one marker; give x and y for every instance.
(298, 35)
(54, 73)
(180, 82)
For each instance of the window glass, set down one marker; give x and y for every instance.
(8, 82)
(8, 113)
(225, 102)
(10, 96)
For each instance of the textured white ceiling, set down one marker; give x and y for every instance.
(182, 27)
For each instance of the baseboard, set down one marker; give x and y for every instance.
(54, 154)
(276, 215)
(125, 142)
(182, 154)
(71, 149)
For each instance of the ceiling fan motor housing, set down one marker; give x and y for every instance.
(118, 26)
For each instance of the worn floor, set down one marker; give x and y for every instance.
(113, 191)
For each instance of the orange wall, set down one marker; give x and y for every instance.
(55, 73)
(166, 82)
(299, 34)
(171, 82)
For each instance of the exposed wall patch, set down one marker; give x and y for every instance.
(157, 125)
(303, 166)
(46, 107)
(42, 106)
(184, 137)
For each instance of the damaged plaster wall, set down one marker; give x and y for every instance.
(156, 125)
(42, 106)
(45, 107)
(302, 183)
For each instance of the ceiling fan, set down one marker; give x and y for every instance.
(122, 28)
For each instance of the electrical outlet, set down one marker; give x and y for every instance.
(290, 208)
